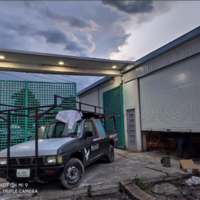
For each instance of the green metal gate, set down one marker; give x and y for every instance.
(113, 100)
(28, 93)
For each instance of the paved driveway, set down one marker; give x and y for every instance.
(104, 177)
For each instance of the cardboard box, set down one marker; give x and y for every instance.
(188, 166)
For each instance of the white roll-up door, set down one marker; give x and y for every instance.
(170, 97)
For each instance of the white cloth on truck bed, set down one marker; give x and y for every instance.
(69, 117)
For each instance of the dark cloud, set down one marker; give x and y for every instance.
(20, 28)
(136, 13)
(131, 7)
(72, 21)
(119, 41)
(59, 37)
(73, 46)
(86, 40)
(54, 36)
(28, 33)
(62, 27)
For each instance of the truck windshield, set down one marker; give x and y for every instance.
(58, 130)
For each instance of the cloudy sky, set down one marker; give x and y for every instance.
(122, 30)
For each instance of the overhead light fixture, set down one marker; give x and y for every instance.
(61, 63)
(2, 57)
(114, 67)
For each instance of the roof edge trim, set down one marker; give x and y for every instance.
(93, 85)
(187, 36)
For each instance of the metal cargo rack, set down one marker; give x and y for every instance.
(48, 110)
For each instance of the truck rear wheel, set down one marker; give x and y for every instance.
(72, 174)
(111, 155)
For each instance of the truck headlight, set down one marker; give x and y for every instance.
(51, 159)
(3, 161)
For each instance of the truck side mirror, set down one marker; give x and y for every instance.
(88, 134)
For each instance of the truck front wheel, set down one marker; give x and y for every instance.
(72, 174)
(111, 155)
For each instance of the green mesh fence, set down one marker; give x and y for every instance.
(27, 94)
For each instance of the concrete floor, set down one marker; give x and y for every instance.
(102, 176)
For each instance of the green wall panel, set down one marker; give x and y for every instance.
(113, 100)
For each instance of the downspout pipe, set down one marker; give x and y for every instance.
(139, 101)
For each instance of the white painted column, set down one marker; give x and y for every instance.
(131, 101)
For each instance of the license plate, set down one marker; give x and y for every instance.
(23, 172)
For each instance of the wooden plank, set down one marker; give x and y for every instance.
(126, 182)
(134, 191)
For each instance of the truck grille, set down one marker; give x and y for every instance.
(13, 161)
(25, 161)
(40, 161)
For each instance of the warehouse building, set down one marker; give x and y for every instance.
(153, 97)
(159, 93)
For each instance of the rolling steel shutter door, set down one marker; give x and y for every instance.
(113, 100)
(170, 98)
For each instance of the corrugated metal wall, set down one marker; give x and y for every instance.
(181, 52)
(170, 97)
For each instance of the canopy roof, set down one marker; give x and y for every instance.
(22, 61)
